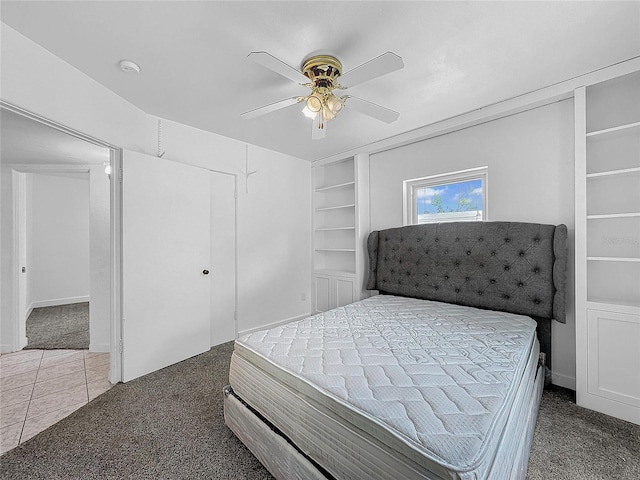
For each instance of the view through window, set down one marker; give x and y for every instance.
(454, 197)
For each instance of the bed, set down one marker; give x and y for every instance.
(437, 376)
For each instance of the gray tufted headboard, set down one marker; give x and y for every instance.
(509, 266)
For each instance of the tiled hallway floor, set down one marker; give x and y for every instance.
(40, 387)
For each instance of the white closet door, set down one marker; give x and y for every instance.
(166, 253)
(223, 258)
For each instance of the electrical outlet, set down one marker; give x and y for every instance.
(303, 296)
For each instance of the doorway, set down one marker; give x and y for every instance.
(62, 241)
(141, 296)
(36, 148)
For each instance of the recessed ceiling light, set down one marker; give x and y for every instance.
(128, 66)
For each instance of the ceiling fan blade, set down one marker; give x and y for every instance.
(376, 67)
(272, 107)
(372, 109)
(318, 133)
(272, 63)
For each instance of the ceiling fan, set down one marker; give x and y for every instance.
(320, 73)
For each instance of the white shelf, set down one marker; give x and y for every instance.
(613, 215)
(335, 232)
(607, 304)
(337, 207)
(335, 187)
(613, 129)
(335, 249)
(607, 267)
(613, 259)
(341, 273)
(332, 229)
(624, 171)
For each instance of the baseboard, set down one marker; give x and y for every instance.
(274, 324)
(563, 380)
(10, 348)
(57, 301)
(99, 347)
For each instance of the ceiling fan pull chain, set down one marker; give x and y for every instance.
(160, 139)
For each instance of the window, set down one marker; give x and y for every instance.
(450, 197)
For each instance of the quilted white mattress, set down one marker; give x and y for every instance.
(434, 383)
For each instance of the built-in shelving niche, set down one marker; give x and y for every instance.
(608, 247)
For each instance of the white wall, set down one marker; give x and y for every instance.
(274, 240)
(36, 80)
(531, 179)
(58, 244)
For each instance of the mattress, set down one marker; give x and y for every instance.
(394, 387)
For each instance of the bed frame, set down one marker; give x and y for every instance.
(508, 266)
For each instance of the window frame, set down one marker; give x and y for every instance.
(409, 187)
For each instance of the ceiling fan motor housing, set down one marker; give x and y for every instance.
(322, 70)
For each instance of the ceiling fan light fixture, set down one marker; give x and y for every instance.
(307, 112)
(334, 104)
(320, 74)
(315, 102)
(327, 114)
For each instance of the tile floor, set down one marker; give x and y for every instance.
(40, 387)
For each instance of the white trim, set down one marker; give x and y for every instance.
(49, 303)
(409, 215)
(510, 106)
(614, 306)
(50, 123)
(115, 206)
(19, 192)
(562, 380)
(19, 199)
(274, 324)
(116, 227)
(235, 247)
(58, 301)
(45, 169)
(100, 348)
(580, 252)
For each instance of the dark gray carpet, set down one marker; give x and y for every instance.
(62, 326)
(572, 442)
(169, 425)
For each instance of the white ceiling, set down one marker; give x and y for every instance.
(459, 56)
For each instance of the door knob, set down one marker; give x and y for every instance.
(205, 272)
